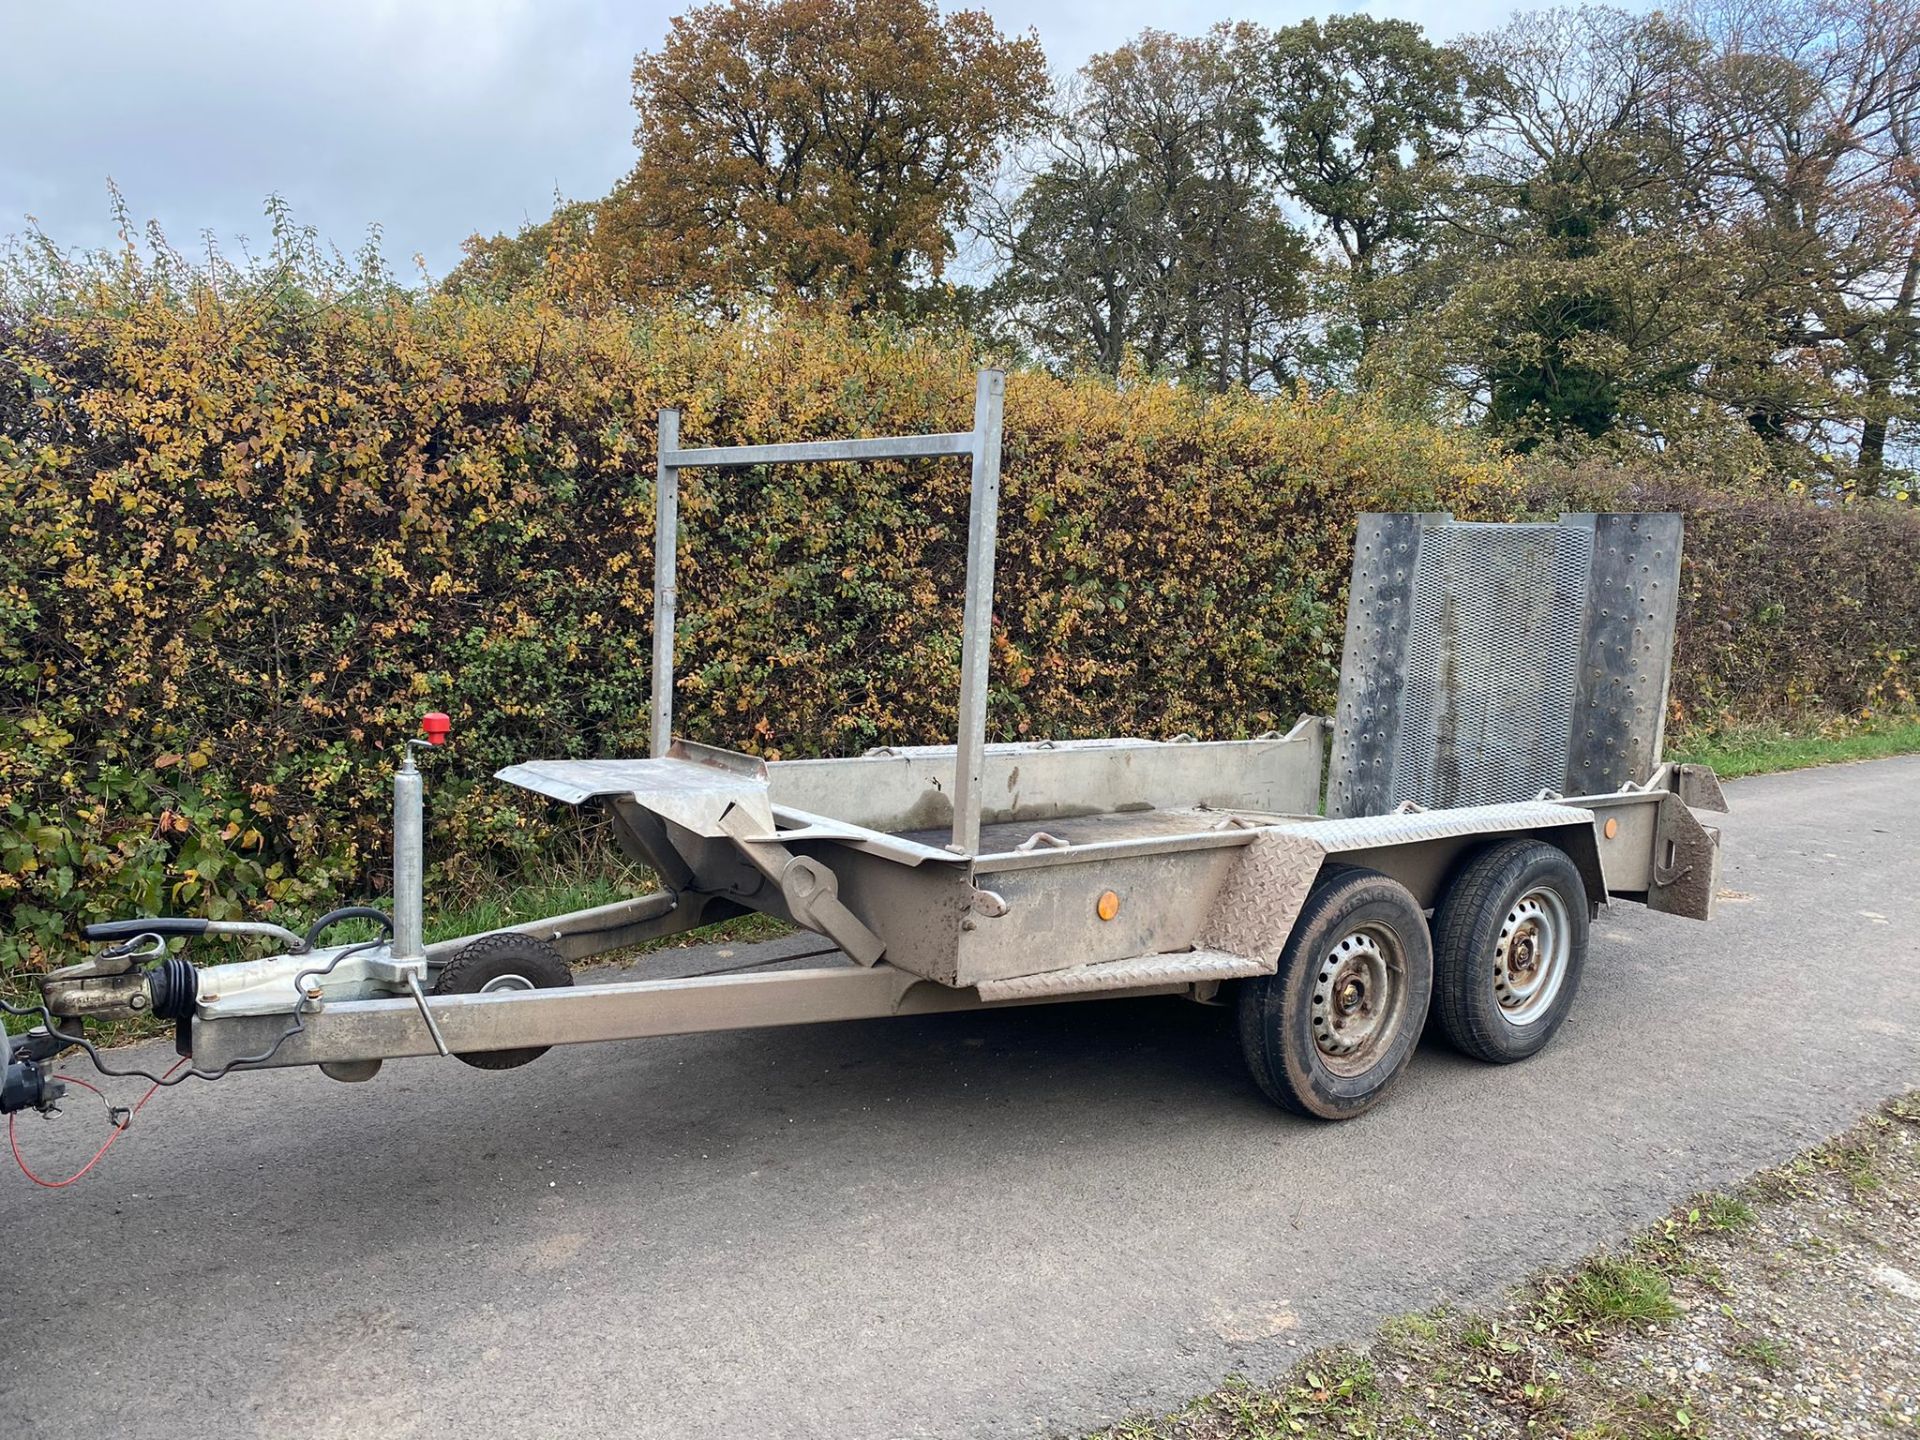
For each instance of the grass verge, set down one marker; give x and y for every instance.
(509, 905)
(1752, 751)
(1789, 1305)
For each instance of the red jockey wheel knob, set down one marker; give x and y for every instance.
(435, 725)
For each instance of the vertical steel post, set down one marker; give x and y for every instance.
(666, 542)
(976, 639)
(409, 860)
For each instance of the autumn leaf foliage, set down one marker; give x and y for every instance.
(256, 523)
(815, 148)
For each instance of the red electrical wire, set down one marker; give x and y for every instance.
(13, 1140)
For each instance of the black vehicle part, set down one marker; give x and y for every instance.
(349, 912)
(503, 962)
(27, 1086)
(1332, 1028)
(174, 984)
(161, 925)
(24, 1082)
(1510, 941)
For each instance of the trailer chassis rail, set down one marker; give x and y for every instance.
(349, 1038)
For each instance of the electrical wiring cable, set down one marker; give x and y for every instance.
(119, 1128)
(294, 1027)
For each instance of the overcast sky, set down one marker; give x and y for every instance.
(432, 118)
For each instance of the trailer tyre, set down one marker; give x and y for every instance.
(1328, 1033)
(503, 962)
(1510, 940)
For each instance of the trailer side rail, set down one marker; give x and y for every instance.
(981, 444)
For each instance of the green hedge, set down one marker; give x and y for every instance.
(1792, 611)
(250, 538)
(253, 532)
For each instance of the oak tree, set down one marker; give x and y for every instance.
(815, 148)
(1153, 229)
(1361, 111)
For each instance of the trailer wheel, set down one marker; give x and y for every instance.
(1331, 1029)
(1510, 939)
(503, 962)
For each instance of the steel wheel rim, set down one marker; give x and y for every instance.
(1530, 958)
(1359, 999)
(507, 982)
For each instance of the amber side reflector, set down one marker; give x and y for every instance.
(1108, 906)
(1611, 828)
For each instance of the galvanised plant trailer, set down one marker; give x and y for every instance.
(1495, 776)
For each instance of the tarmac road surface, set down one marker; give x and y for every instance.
(1014, 1223)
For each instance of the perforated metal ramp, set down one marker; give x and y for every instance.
(1489, 663)
(1492, 659)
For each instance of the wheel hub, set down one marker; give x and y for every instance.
(1524, 958)
(1357, 998)
(1530, 959)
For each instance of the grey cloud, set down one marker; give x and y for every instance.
(433, 118)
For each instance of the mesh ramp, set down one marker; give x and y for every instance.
(1487, 664)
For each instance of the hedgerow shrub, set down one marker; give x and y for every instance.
(255, 527)
(1791, 609)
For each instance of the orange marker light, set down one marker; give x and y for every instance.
(1108, 906)
(1612, 827)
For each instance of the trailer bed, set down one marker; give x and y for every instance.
(1014, 836)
